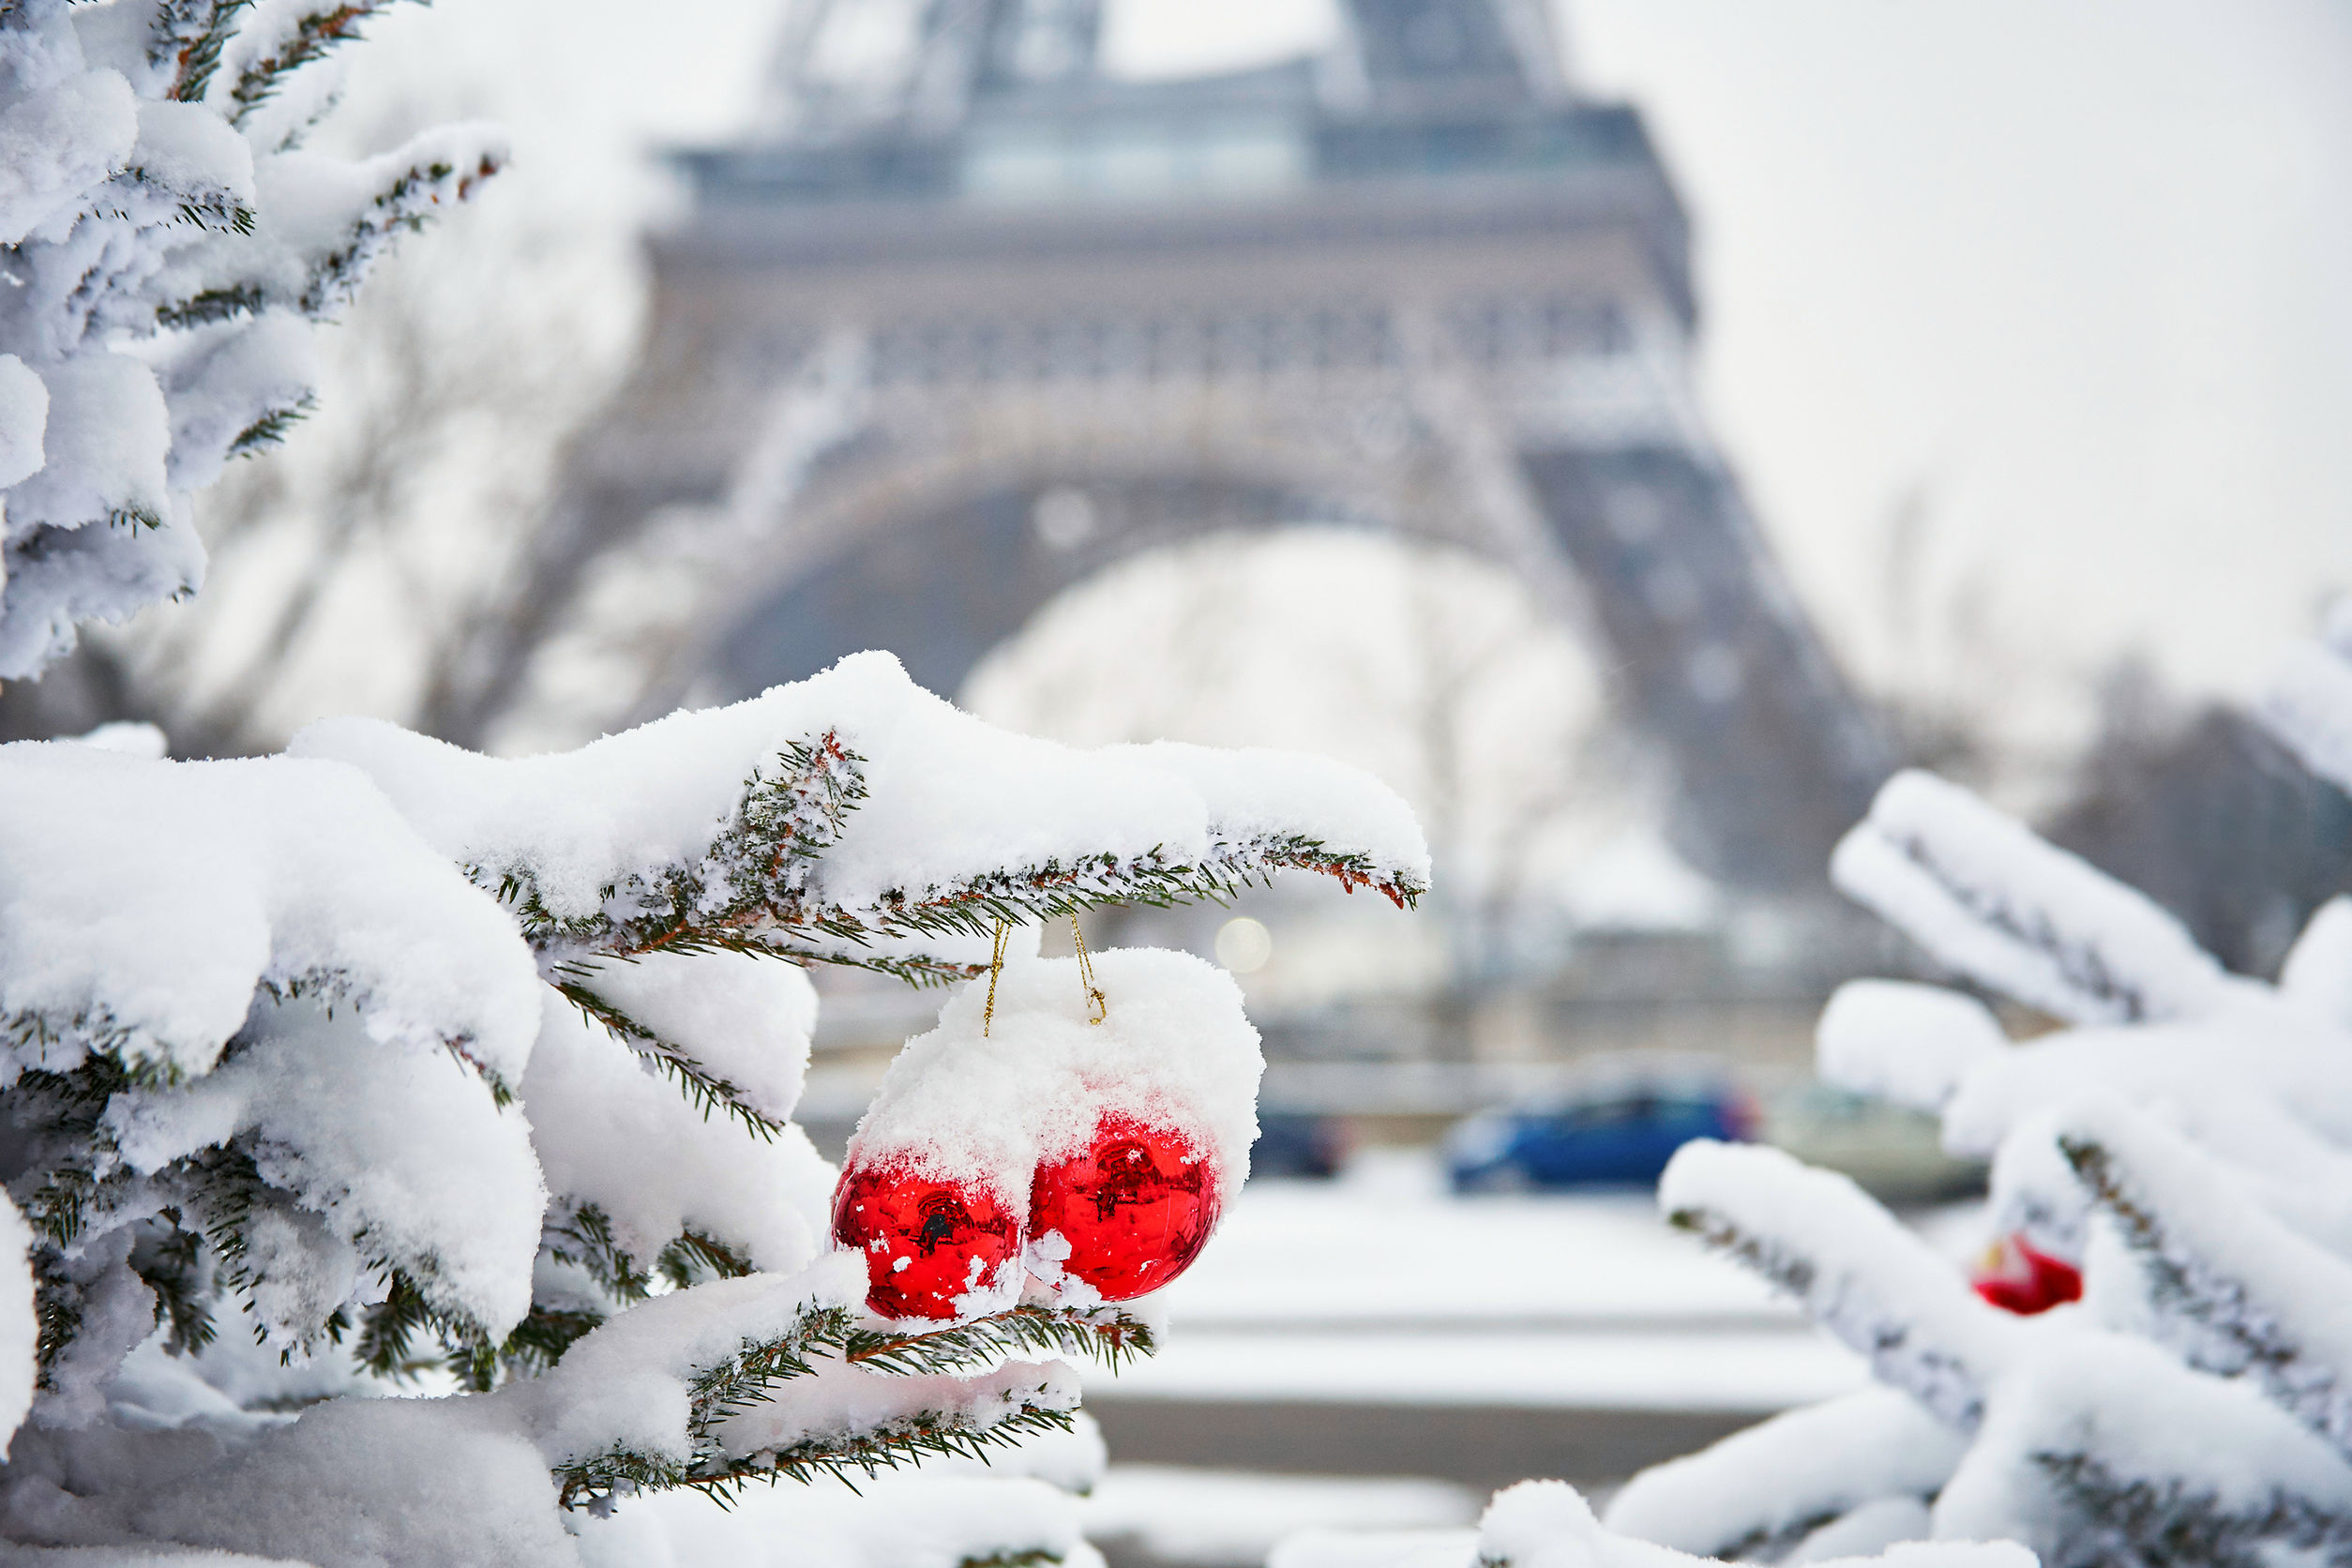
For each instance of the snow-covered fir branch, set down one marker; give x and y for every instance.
(1758, 1494)
(1983, 895)
(2103, 1449)
(1856, 1269)
(828, 845)
(165, 252)
(823, 1393)
(2232, 1287)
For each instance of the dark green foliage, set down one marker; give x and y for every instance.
(580, 1234)
(173, 1264)
(211, 305)
(541, 1338)
(693, 1257)
(404, 1335)
(132, 517)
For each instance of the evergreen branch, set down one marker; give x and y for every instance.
(540, 1341)
(406, 204)
(752, 1374)
(211, 305)
(753, 889)
(1856, 1269)
(693, 1256)
(703, 1089)
(189, 35)
(584, 1237)
(1104, 1333)
(1255, 859)
(271, 428)
(753, 877)
(908, 1440)
(212, 208)
(2219, 1320)
(2119, 1519)
(390, 1333)
(310, 38)
(56, 1312)
(171, 1260)
(744, 1379)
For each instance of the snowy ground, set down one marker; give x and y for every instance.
(1380, 1288)
(1225, 1519)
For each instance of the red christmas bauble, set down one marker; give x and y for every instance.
(926, 1241)
(2017, 1276)
(1136, 1208)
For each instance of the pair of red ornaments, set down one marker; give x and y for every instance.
(1131, 1211)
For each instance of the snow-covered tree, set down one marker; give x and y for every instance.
(2153, 1365)
(2184, 1144)
(168, 241)
(393, 1058)
(381, 1063)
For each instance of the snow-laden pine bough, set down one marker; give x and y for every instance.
(2182, 1152)
(2183, 1144)
(388, 1057)
(166, 242)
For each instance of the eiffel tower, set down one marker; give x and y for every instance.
(969, 319)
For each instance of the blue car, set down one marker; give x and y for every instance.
(1621, 1134)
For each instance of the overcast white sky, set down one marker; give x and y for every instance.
(2075, 275)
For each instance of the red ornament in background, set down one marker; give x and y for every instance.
(921, 1238)
(1135, 1207)
(2018, 1277)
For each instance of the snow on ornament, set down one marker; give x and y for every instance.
(1133, 1098)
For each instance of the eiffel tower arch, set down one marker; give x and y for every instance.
(962, 326)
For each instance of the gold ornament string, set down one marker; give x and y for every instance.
(996, 967)
(1096, 1003)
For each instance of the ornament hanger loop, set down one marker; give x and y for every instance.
(996, 967)
(1095, 1003)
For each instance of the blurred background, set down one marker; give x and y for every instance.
(1631, 428)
